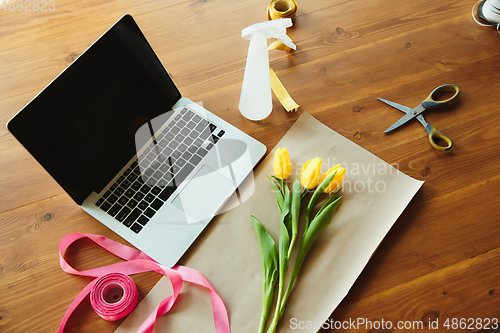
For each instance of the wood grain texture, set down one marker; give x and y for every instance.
(440, 260)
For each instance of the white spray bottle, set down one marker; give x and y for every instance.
(255, 99)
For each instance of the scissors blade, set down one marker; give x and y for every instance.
(420, 118)
(400, 107)
(401, 121)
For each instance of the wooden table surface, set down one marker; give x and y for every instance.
(442, 257)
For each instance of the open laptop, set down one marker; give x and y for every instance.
(113, 130)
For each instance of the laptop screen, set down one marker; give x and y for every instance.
(81, 127)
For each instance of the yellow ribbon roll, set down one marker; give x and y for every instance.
(281, 9)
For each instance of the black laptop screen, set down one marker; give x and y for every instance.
(81, 127)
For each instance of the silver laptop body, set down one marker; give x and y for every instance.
(149, 164)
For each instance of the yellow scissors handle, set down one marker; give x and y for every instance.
(432, 102)
(435, 135)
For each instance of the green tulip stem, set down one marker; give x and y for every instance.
(266, 307)
(277, 314)
(295, 213)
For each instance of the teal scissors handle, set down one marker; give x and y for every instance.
(431, 102)
(435, 136)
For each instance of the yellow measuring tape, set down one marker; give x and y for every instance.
(281, 9)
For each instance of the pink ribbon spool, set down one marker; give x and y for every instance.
(113, 293)
(114, 296)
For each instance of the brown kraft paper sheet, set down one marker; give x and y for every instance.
(227, 252)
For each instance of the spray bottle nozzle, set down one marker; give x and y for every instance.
(270, 29)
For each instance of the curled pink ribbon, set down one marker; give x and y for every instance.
(137, 262)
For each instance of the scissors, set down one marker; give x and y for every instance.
(429, 103)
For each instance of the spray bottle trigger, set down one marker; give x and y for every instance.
(287, 41)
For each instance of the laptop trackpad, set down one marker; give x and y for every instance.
(204, 195)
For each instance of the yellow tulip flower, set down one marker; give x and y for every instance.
(337, 179)
(282, 165)
(310, 173)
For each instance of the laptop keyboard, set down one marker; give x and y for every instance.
(150, 180)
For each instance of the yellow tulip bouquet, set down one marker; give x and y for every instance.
(275, 260)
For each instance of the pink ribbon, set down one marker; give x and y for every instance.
(114, 296)
(136, 262)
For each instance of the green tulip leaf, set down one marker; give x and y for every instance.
(285, 213)
(333, 197)
(269, 257)
(319, 190)
(318, 224)
(279, 197)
